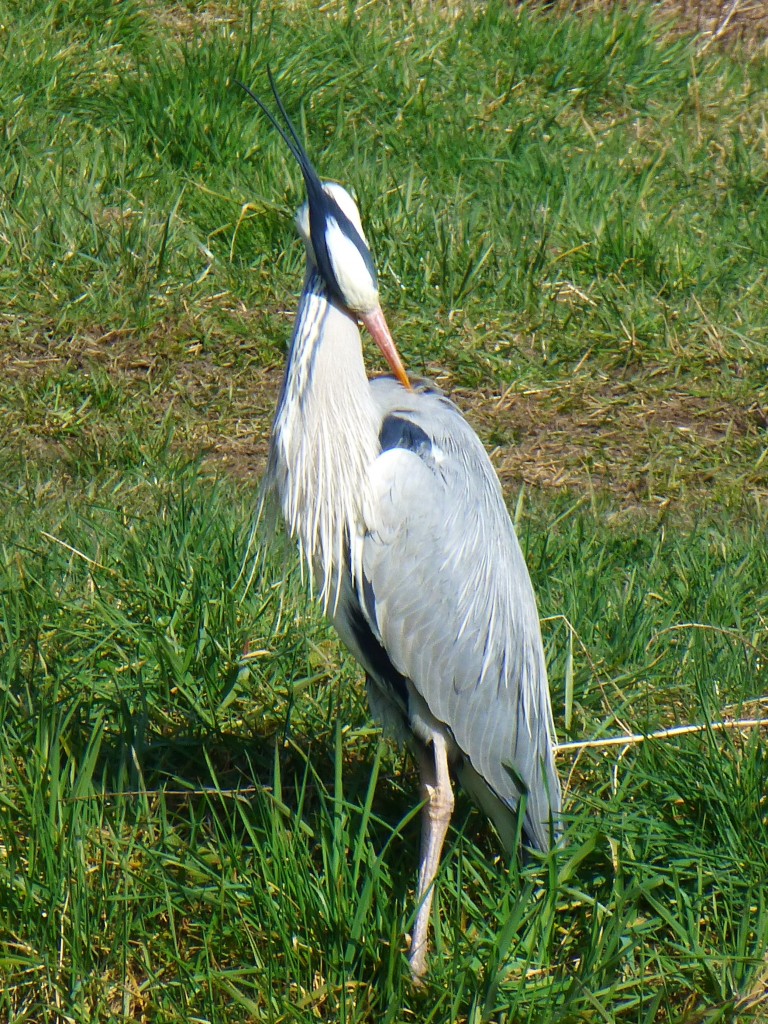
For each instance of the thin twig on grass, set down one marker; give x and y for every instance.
(76, 551)
(661, 734)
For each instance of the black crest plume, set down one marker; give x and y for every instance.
(323, 208)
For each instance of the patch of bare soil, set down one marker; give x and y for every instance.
(722, 19)
(714, 21)
(617, 439)
(721, 22)
(242, 450)
(639, 441)
(611, 439)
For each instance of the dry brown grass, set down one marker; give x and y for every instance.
(645, 443)
(722, 22)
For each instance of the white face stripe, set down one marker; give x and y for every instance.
(352, 275)
(346, 204)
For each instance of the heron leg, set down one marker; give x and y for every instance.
(437, 791)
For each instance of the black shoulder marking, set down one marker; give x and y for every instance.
(377, 661)
(398, 432)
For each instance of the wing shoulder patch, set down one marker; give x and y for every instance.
(400, 432)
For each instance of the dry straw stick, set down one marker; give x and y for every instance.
(662, 734)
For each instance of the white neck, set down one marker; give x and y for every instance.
(324, 437)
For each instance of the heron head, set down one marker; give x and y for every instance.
(330, 225)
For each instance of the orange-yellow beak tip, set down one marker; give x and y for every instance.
(379, 331)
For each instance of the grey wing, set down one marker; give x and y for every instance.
(446, 592)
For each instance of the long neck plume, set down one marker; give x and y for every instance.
(324, 436)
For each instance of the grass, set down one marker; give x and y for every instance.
(198, 820)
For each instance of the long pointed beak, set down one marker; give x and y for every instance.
(377, 328)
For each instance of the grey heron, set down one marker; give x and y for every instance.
(400, 519)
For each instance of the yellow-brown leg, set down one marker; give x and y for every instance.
(437, 791)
